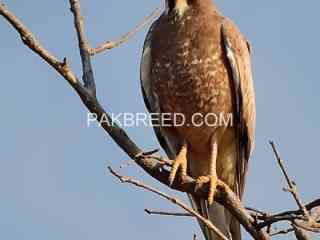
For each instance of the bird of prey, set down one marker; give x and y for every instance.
(195, 62)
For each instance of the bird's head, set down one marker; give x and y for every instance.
(181, 6)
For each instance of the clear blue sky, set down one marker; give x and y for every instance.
(53, 178)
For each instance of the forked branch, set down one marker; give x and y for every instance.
(174, 200)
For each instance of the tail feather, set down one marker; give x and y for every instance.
(219, 216)
(235, 228)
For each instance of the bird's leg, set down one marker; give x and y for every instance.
(212, 177)
(213, 172)
(180, 163)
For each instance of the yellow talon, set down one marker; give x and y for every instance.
(213, 181)
(180, 163)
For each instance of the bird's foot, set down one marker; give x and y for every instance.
(213, 182)
(180, 163)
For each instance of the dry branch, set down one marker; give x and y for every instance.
(269, 219)
(88, 77)
(292, 188)
(173, 200)
(116, 43)
(162, 213)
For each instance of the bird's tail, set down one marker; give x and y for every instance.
(219, 216)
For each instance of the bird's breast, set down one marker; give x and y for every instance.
(191, 80)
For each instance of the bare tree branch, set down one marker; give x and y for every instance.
(113, 44)
(175, 201)
(269, 219)
(257, 212)
(28, 39)
(282, 232)
(292, 186)
(308, 223)
(162, 213)
(84, 47)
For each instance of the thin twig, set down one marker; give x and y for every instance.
(257, 212)
(162, 213)
(282, 232)
(175, 201)
(309, 207)
(84, 47)
(292, 186)
(269, 219)
(113, 44)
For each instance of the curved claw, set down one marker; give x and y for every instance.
(180, 163)
(213, 182)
